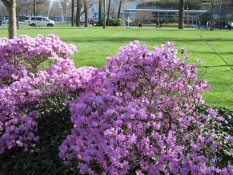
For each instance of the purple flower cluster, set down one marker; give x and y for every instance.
(143, 118)
(20, 100)
(23, 55)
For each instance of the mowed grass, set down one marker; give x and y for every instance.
(95, 44)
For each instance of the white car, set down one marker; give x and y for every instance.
(40, 21)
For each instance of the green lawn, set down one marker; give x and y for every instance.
(95, 44)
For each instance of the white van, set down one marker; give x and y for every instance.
(40, 21)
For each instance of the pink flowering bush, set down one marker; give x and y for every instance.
(21, 99)
(23, 55)
(140, 114)
(145, 119)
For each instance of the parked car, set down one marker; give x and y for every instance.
(40, 21)
(229, 26)
(5, 21)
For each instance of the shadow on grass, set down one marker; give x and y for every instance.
(215, 66)
(211, 52)
(149, 39)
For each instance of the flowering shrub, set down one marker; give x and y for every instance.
(20, 101)
(23, 54)
(139, 114)
(223, 130)
(146, 119)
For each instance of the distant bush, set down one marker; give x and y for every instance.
(112, 22)
(153, 24)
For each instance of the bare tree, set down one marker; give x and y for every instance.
(147, 16)
(11, 9)
(119, 9)
(34, 7)
(3, 9)
(181, 15)
(19, 9)
(72, 13)
(108, 13)
(86, 13)
(100, 10)
(104, 17)
(78, 13)
(213, 3)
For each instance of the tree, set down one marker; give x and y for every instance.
(11, 9)
(181, 15)
(19, 9)
(104, 17)
(72, 13)
(100, 10)
(78, 13)
(108, 13)
(86, 13)
(34, 7)
(213, 4)
(119, 9)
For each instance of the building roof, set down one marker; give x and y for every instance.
(163, 10)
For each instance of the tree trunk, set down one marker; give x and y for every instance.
(119, 9)
(100, 10)
(220, 16)
(17, 21)
(86, 15)
(72, 13)
(78, 13)
(104, 17)
(34, 7)
(108, 14)
(212, 14)
(11, 8)
(181, 15)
